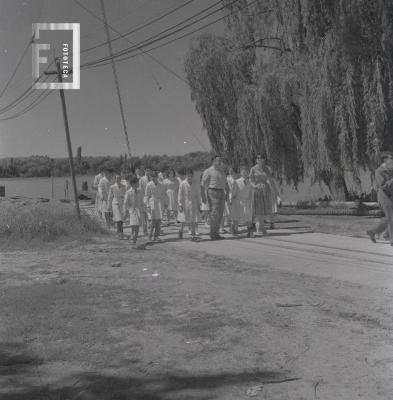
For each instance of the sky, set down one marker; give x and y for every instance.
(160, 116)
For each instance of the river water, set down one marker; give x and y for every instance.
(43, 187)
(55, 188)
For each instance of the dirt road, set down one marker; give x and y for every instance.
(350, 259)
(292, 316)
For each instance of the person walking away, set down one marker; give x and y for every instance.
(133, 202)
(262, 202)
(384, 180)
(215, 183)
(103, 193)
(115, 203)
(97, 205)
(245, 200)
(153, 201)
(188, 203)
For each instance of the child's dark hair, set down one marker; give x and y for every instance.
(181, 171)
(133, 180)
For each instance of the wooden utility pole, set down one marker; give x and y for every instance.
(108, 38)
(67, 130)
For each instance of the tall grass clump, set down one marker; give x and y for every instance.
(44, 222)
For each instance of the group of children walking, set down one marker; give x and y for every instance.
(146, 198)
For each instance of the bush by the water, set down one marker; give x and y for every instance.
(43, 221)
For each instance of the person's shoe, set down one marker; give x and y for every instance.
(180, 235)
(217, 237)
(371, 235)
(272, 225)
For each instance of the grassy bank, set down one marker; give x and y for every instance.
(26, 221)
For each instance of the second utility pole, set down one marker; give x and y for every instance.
(108, 38)
(67, 129)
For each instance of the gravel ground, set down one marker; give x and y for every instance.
(169, 324)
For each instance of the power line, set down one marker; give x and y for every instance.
(17, 66)
(31, 106)
(136, 29)
(119, 58)
(156, 37)
(119, 18)
(168, 69)
(116, 79)
(23, 96)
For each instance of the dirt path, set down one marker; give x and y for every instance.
(355, 260)
(190, 321)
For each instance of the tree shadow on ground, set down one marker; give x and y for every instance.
(15, 360)
(155, 387)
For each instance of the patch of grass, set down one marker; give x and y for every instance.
(44, 222)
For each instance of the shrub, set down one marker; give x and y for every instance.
(45, 222)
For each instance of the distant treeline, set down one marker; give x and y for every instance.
(44, 166)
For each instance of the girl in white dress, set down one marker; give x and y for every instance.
(233, 201)
(133, 202)
(189, 203)
(96, 182)
(116, 203)
(103, 193)
(154, 199)
(245, 199)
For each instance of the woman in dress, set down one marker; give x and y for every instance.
(263, 196)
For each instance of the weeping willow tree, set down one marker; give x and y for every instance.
(309, 85)
(216, 76)
(240, 119)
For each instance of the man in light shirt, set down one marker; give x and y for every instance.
(215, 191)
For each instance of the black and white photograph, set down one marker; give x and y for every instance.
(196, 199)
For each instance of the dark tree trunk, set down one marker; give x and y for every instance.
(338, 188)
